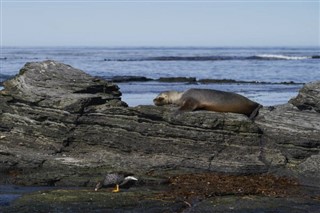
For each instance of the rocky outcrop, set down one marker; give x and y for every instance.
(60, 126)
(294, 129)
(59, 86)
(308, 98)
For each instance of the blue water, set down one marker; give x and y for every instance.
(282, 64)
(9, 193)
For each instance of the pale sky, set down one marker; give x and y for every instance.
(160, 23)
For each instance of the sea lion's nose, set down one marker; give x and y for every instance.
(157, 101)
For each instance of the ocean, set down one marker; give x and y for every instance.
(268, 75)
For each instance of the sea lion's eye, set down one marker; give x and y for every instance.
(160, 98)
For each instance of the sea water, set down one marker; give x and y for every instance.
(272, 65)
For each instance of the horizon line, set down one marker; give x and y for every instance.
(164, 46)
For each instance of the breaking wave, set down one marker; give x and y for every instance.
(215, 58)
(282, 57)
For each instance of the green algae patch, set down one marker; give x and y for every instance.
(101, 197)
(88, 200)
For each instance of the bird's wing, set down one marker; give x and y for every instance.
(127, 179)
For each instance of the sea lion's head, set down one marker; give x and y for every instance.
(168, 97)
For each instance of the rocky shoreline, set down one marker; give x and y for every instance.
(61, 127)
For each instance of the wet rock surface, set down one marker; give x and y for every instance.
(62, 127)
(206, 192)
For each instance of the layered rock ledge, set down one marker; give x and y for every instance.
(62, 127)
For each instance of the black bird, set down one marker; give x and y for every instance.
(115, 179)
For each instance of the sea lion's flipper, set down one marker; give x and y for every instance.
(189, 105)
(255, 112)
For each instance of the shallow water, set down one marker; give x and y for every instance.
(9, 193)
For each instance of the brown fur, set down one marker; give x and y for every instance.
(211, 100)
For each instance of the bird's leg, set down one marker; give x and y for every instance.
(116, 189)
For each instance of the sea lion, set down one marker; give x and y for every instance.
(211, 100)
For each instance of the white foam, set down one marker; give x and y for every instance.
(284, 57)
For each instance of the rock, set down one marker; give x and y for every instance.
(308, 98)
(295, 133)
(118, 79)
(185, 193)
(310, 170)
(63, 127)
(59, 86)
(91, 201)
(211, 81)
(177, 79)
(282, 123)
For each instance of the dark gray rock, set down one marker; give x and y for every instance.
(129, 78)
(177, 79)
(60, 126)
(55, 85)
(308, 98)
(136, 201)
(295, 135)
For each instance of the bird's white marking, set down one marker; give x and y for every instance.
(130, 178)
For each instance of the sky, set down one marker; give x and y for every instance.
(160, 23)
